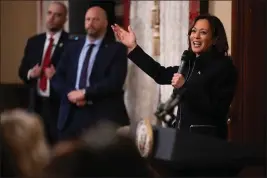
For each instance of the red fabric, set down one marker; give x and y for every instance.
(126, 16)
(41, 13)
(46, 63)
(194, 8)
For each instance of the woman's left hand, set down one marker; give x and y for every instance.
(178, 80)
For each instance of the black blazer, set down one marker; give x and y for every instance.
(209, 89)
(106, 81)
(33, 54)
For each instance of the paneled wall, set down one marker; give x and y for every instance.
(223, 10)
(18, 23)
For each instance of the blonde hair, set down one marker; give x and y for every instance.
(24, 134)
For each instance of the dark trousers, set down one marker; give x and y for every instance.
(48, 108)
(79, 120)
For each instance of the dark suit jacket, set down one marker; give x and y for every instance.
(209, 89)
(33, 54)
(106, 81)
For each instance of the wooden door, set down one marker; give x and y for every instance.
(248, 111)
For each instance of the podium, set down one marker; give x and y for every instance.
(181, 153)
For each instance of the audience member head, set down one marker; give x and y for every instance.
(102, 152)
(56, 16)
(95, 22)
(64, 147)
(208, 33)
(24, 134)
(124, 131)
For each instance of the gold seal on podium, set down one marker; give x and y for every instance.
(144, 137)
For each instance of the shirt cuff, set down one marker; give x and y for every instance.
(29, 74)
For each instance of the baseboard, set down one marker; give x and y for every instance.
(13, 96)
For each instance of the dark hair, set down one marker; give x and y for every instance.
(118, 159)
(218, 33)
(101, 152)
(8, 164)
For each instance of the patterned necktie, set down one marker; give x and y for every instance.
(84, 71)
(46, 63)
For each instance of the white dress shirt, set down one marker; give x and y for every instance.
(56, 37)
(85, 48)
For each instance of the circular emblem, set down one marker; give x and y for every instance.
(144, 137)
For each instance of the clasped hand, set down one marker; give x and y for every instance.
(37, 70)
(50, 71)
(77, 97)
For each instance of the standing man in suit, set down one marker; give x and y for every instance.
(38, 66)
(90, 79)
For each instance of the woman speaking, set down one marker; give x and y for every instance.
(208, 78)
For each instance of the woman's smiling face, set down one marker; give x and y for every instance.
(201, 36)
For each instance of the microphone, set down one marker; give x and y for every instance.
(168, 106)
(174, 99)
(184, 59)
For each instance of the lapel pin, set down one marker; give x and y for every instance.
(199, 72)
(60, 45)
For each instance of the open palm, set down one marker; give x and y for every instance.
(127, 38)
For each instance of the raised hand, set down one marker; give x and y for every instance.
(126, 37)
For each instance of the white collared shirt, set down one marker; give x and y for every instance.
(56, 37)
(92, 59)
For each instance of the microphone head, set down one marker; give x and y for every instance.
(187, 54)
